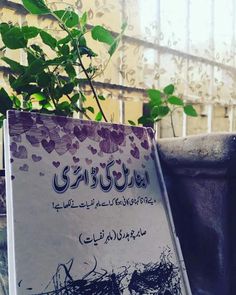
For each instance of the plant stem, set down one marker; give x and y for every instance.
(172, 123)
(82, 66)
(92, 88)
(79, 109)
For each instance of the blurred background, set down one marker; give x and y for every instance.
(190, 43)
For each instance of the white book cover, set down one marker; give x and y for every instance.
(87, 210)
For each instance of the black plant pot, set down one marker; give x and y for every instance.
(200, 174)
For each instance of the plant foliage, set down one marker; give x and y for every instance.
(163, 103)
(54, 84)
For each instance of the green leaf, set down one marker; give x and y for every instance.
(113, 47)
(30, 32)
(91, 109)
(36, 6)
(64, 50)
(175, 100)
(83, 20)
(56, 61)
(14, 38)
(63, 105)
(4, 27)
(44, 79)
(69, 18)
(75, 98)
(83, 97)
(70, 70)
(39, 96)
(16, 102)
(116, 41)
(169, 89)
(46, 105)
(37, 48)
(155, 97)
(190, 111)
(31, 57)
(1, 121)
(163, 111)
(74, 33)
(159, 111)
(68, 88)
(35, 67)
(101, 34)
(145, 120)
(5, 101)
(98, 117)
(48, 39)
(15, 66)
(101, 97)
(131, 123)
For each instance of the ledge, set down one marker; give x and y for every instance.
(200, 154)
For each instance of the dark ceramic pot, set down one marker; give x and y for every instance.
(200, 175)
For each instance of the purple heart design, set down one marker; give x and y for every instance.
(131, 138)
(72, 148)
(25, 168)
(88, 161)
(135, 153)
(146, 157)
(17, 138)
(118, 161)
(21, 153)
(41, 174)
(61, 144)
(138, 131)
(117, 137)
(36, 158)
(104, 132)
(107, 146)
(76, 160)
(103, 165)
(56, 164)
(13, 147)
(145, 144)
(48, 145)
(117, 175)
(93, 150)
(81, 134)
(32, 139)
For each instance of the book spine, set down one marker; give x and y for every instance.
(10, 215)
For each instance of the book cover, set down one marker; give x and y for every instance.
(88, 210)
(3, 237)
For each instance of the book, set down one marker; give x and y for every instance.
(87, 210)
(3, 237)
